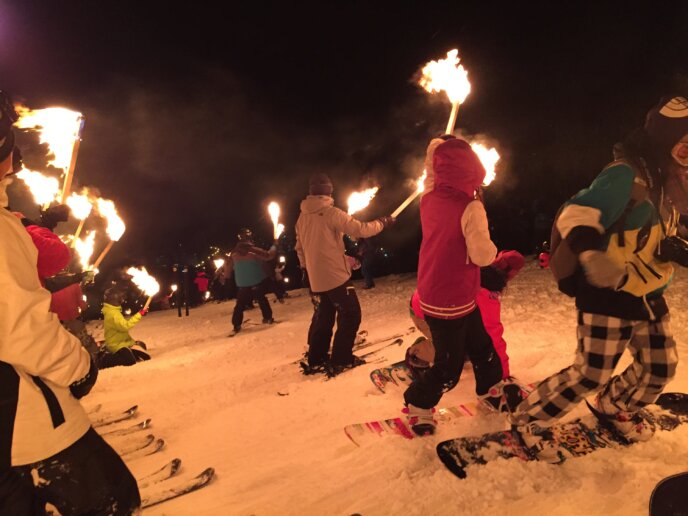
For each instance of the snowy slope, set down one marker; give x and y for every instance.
(215, 401)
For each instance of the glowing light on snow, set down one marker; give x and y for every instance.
(274, 211)
(360, 200)
(144, 281)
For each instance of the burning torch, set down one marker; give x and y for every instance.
(115, 227)
(274, 211)
(44, 189)
(81, 208)
(360, 200)
(145, 282)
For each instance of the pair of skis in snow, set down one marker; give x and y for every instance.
(160, 485)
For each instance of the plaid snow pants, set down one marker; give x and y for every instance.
(601, 342)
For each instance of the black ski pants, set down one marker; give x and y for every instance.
(453, 340)
(123, 357)
(88, 477)
(340, 303)
(245, 295)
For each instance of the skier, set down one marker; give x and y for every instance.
(320, 233)
(618, 239)
(201, 281)
(119, 345)
(493, 280)
(245, 262)
(44, 431)
(456, 243)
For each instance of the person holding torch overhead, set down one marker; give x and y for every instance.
(320, 230)
(44, 371)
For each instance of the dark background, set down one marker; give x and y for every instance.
(197, 116)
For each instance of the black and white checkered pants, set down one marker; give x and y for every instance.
(601, 342)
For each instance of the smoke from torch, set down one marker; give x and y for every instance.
(449, 76)
(145, 282)
(360, 200)
(274, 211)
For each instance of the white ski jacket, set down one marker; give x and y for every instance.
(39, 359)
(319, 241)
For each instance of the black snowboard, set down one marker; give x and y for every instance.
(670, 496)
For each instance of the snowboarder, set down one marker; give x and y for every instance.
(119, 345)
(619, 237)
(320, 232)
(456, 243)
(246, 263)
(44, 371)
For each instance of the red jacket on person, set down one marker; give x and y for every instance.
(68, 302)
(456, 238)
(53, 253)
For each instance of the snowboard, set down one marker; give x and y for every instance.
(670, 496)
(395, 375)
(579, 437)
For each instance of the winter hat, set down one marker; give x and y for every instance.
(320, 184)
(114, 296)
(666, 124)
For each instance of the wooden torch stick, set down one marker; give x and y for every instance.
(67, 187)
(148, 302)
(78, 232)
(404, 204)
(452, 118)
(102, 255)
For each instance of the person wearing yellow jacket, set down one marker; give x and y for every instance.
(118, 343)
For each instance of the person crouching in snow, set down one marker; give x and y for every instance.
(119, 344)
(506, 394)
(456, 243)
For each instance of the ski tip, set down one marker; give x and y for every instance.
(207, 474)
(146, 423)
(131, 409)
(175, 464)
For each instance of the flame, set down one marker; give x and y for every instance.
(274, 211)
(115, 225)
(146, 283)
(359, 200)
(207, 295)
(84, 248)
(57, 127)
(44, 189)
(420, 185)
(174, 288)
(489, 158)
(80, 205)
(447, 75)
(219, 262)
(282, 259)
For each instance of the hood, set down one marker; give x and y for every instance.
(457, 167)
(429, 182)
(4, 183)
(242, 248)
(110, 309)
(316, 203)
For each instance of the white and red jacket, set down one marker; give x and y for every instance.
(456, 237)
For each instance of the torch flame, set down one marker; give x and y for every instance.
(420, 185)
(84, 249)
(44, 189)
(144, 281)
(489, 158)
(115, 225)
(447, 75)
(57, 127)
(359, 200)
(218, 262)
(80, 205)
(274, 211)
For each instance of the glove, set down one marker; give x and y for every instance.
(88, 277)
(304, 278)
(601, 271)
(82, 387)
(673, 249)
(143, 312)
(54, 215)
(387, 221)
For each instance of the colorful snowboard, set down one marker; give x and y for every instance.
(372, 430)
(396, 375)
(578, 438)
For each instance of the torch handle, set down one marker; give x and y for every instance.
(148, 302)
(69, 175)
(78, 232)
(404, 204)
(452, 118)
(102, 255)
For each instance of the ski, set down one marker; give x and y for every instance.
(109, 418)
(360, 337)
(395, 342)
(129, 429)
(130, 445)
(152, 448)
(150, 496)
(166, 472)
(369, 343)
(251, 327)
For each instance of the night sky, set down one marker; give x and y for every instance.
(196, 117)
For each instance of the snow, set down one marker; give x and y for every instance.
(215, 402)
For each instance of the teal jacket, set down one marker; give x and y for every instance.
(117, 328)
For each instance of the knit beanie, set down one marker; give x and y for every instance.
(320, 184)
(666, 124)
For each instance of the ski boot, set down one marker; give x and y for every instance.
(630, 426)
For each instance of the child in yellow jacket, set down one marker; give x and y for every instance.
(119, 344)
